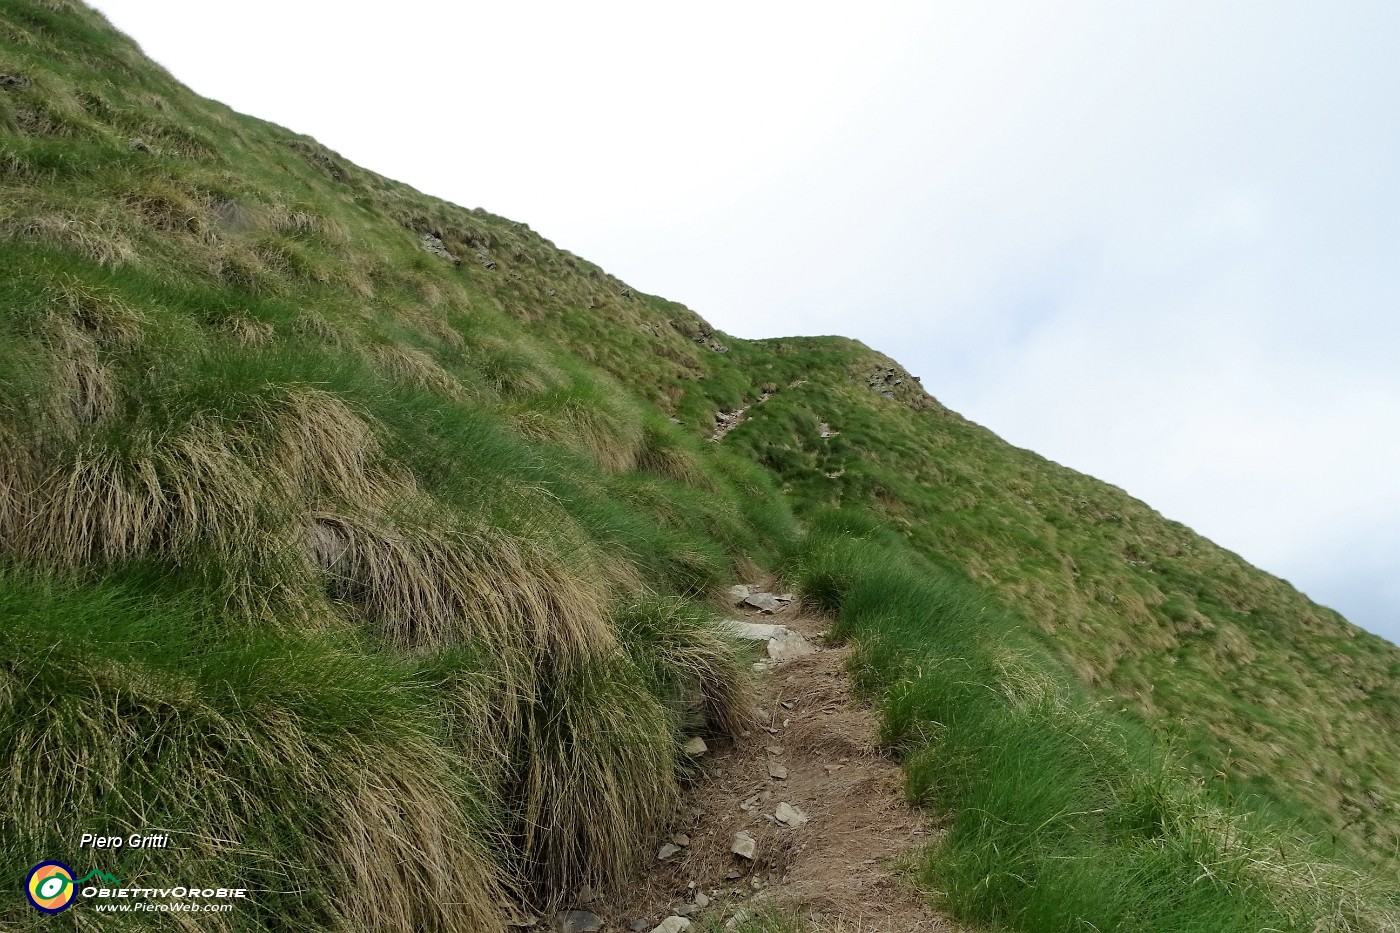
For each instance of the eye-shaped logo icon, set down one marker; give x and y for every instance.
(50, 887)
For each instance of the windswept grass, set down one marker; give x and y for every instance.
(1061, 815)
(594, 786)
(676, 647)
(310, 770)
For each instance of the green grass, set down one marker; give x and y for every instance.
(1061, 814)
(271, 760)
(408, 560)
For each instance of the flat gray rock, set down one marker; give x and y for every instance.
(783, 642)
(750, 631)
(790, 815)
(667, 851)
(764, 601)
(577, 921)
(745, 846)
(672, 925)
(695, 747)
(787, 644)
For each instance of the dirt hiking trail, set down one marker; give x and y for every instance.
(822, 804)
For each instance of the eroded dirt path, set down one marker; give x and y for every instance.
(815, 751)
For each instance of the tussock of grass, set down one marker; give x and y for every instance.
(84, 389)
(96, 312)
(663, 451)
(418, 369)
(100, 237)
(587, 418)
(305, 770)
(426, 588)
(320, 445)
(306, 222)
(596, 779)
(700, 672)
(167, 208)
(248, 332)
(511, 370)
(18, 467)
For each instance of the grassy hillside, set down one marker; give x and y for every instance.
(366, 543)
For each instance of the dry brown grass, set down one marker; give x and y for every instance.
(598, 782)
(247, 331)
(84, 390)
(429, 588)
(96, 234)
(18, 467)
(172, 495)
(13, 165)
(313, 325)
(202, 494)
(418, 369)
(431, 323)
(95, 311)
(406, 860)
(609, 434)
(166, 207)
(304, 475)
(661, 454)
(236, 266)
(388, 847)
(303, 221)
(330, 452)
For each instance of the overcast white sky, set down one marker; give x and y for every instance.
(1158, 242)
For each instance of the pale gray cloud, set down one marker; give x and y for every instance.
(1154, 241)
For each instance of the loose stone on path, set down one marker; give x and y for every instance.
(792, 816)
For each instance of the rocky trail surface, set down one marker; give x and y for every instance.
(803, 812)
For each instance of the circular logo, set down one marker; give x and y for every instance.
(49, 887)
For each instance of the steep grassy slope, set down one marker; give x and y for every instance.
(363, 541)
(1270, 693)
